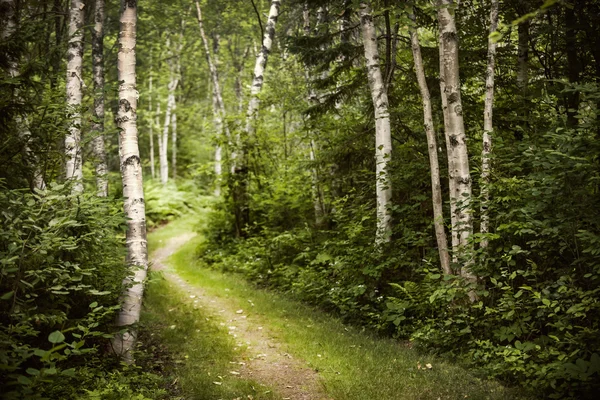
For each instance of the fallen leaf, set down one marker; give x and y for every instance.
(234, 372)
(429, 366)
(239, 312)
(218, 383)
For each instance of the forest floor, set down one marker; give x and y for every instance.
(234, 341)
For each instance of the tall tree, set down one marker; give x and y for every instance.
(383, 134)
(74, 168)
(241, 168)
(458, 163)
(163, 144)
(9, 10)
(488, 126)
(98, 146)
(151, 120)
(133, 191)
(219, 112)
(436, 187)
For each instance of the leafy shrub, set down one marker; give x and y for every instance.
(61, 271)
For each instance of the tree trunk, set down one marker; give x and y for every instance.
(523, 56)
(572, 97)
(174, 139)
(241, 169)
(151, 124)
(8, 8)
(98, 147)
(133, 192)
(383, 136)
(164, 146)
(218, 104)
(436, 188)
(456, 138)
(74, 85)
(488, 125)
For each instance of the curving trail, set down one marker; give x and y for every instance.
(263, 359)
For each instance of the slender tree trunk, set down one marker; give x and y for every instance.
(241, 168)
(174, 139)
(98, 147)
(74, 94)
(488, 125)
(436, 188)
(151, 125)
(8, 8)
(218, 104)
(457, 140)
(572, 97)
(164, 146)
(523, 57)
(383, 136)
(133, 191)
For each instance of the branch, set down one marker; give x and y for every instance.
(262, 32)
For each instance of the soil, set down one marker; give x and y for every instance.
(263, 359)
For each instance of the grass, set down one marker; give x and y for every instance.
(353, 364)
(201, 349)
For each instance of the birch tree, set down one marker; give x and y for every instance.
(151, 124)
(133, 192)
(98, 147)
(383, 136)
(74, 94)
(219, 112)
(436, 188)
(488, 124)
(9, 9)
(163, 144)
(456, 140)
(241, 169)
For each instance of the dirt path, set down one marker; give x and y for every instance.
(264, 360)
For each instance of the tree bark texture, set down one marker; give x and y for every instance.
(74, 94)
(436, 188)
(383, 136)
(8, 8)
(457, 140)
(488, 126)
(151, 124)
(241, 168)
(218, 104)
(98, 147)
(133, 192)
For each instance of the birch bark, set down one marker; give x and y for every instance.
(436, 188)
(151, 125)
(488, 126)
(74, 85)
(8, 8)
(383, 137)
(164, 146)
(241, 169)
(218, 104)
(133, 192)
(98, 147)
(458, 164)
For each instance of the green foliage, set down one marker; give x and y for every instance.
(165, 203)
(61, 272)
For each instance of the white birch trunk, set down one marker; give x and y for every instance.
(164, 146)
(98, 147)
(523, 56)
(151, 127)
(383, 136)
(9, 8)
(488, 124)
(457, 140)
(74, 94)
(174, 139)
(133, 192)
(436, 188)
(218, 104)
(261, 62)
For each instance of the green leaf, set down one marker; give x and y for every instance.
(7, 295)
(56, 337)
(33, 371)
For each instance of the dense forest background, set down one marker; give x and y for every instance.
(296, 203)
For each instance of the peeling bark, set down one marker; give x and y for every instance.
(456, 138)
(436, 188)
(488, 126)
(75, 86)
(383, 136)
(123, 344)
(98, 147)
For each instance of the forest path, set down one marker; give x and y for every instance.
(263, 360)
